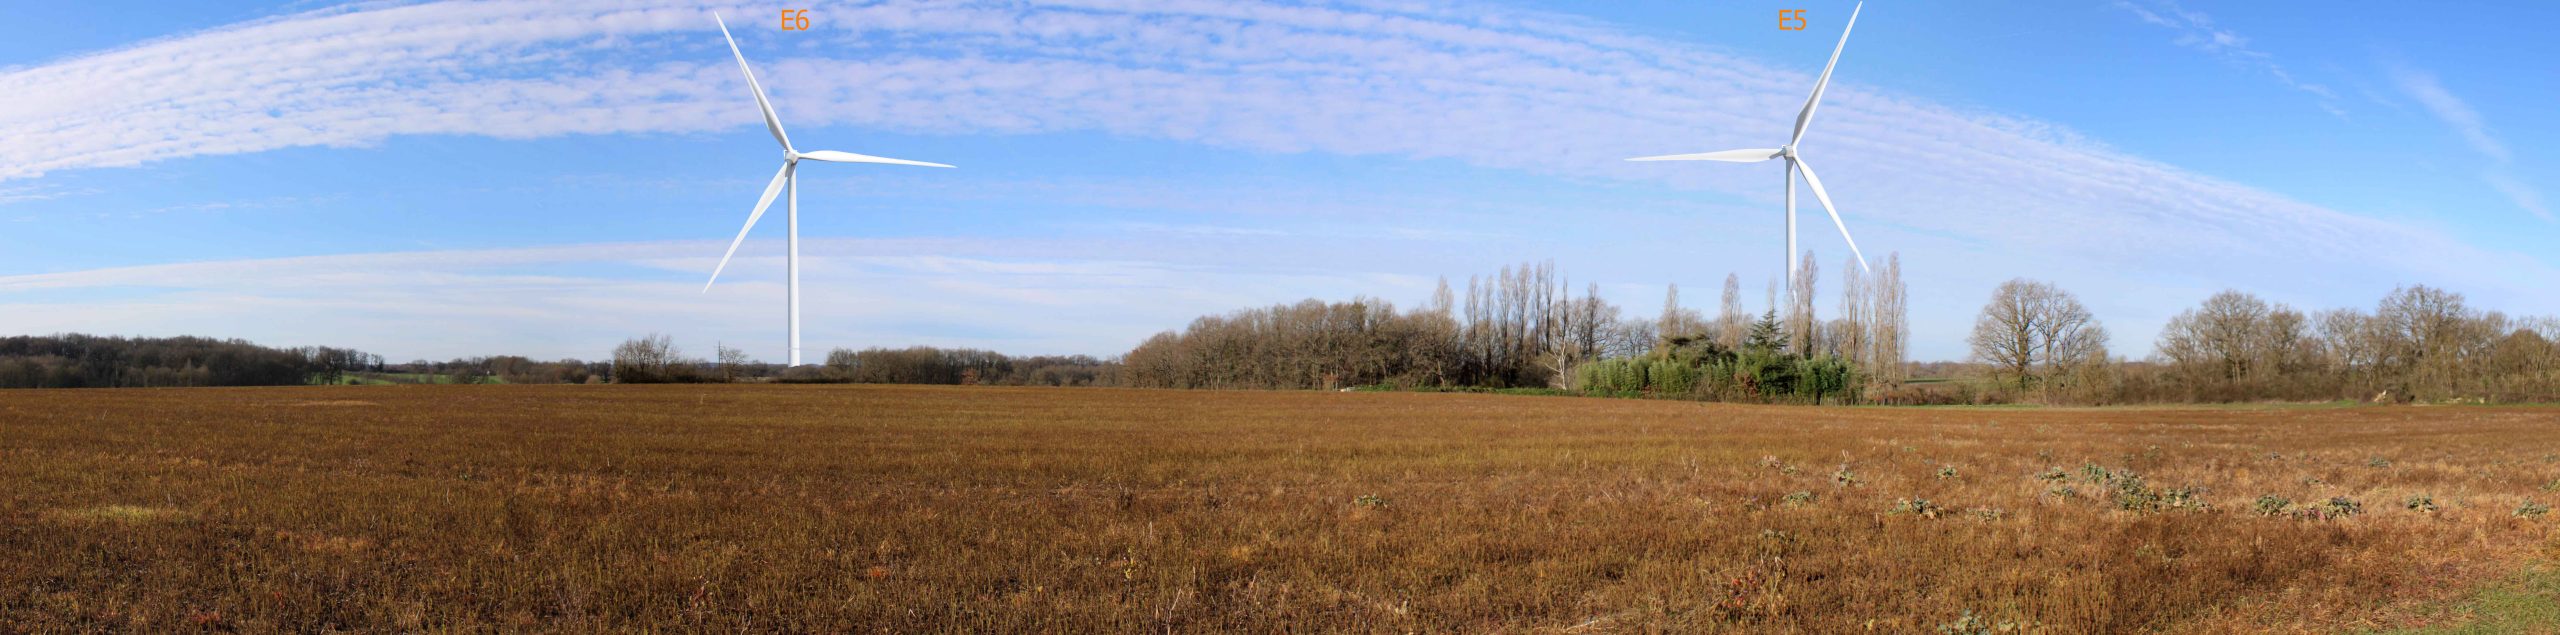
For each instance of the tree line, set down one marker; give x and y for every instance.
(656, 359)
(74, 360)
(1524, 327)
(2418, 343)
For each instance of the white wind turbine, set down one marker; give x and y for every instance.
(787, 177)
(1795, 164)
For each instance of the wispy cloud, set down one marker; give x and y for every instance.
(2421, 86)
(32, 192)
(1480, 86)
(577, 300)
(2196, 30)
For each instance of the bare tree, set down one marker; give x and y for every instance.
(731, 361)
(1731, 319)
(645, 359)
(2035, 331)
(1853, 333)
(1892, 320)
(1802, 336)
(1678, 321)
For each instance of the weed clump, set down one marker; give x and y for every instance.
(2335, 508)
(2272, 505)
(1918, 507)
(2421, 503)
(2532, 509)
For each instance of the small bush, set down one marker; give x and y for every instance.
(2532, 509)
(2272, 505)
(1918, 507)
(1947, 471)
(2185, 499)
(2421, 503)
(1967, 624)
(1372, 501)
(1799, 498)
(2378, 462)
(2342, 507)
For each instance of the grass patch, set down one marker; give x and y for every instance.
(120, 514)
(781, 508)
(2526, 603)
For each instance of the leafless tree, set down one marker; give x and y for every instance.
(645, 359)
(1802, 335)
(2034, 331)
(731, 361)
(1731, 319)
(1678, 321)
(1892, 321)
(1852, 332)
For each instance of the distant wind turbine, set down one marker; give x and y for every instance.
(787, 177)
(1795, 164)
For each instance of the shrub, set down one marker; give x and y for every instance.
(2185, 498)
(2420, 503)
(1799, 498)
(2342, 506)
(1918, 507)
(1947, 471)
(2271, 505)
(2532, 509)
(1371, 501)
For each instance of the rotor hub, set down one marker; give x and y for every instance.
(1788, 151)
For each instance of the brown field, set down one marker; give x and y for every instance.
(919, 509)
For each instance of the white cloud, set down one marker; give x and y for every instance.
(1486, 87)
(452, 303)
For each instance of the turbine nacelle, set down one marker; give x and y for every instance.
(1788, 151)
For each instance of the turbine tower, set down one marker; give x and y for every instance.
(787, 178)
(1795, 162)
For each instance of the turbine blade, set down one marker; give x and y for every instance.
(1825, 198)
(1753, 155)
(848, 157)
(772, 122)
(1806, 118)
(770, 190)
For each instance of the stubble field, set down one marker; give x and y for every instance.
(973, 509)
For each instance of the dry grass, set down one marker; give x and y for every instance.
(858, 508)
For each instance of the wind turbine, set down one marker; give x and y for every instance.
(1795, 163)
(789, 178)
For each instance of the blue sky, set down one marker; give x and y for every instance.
(548, 178)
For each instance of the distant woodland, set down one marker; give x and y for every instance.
(1526, 328)
(87, 361)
